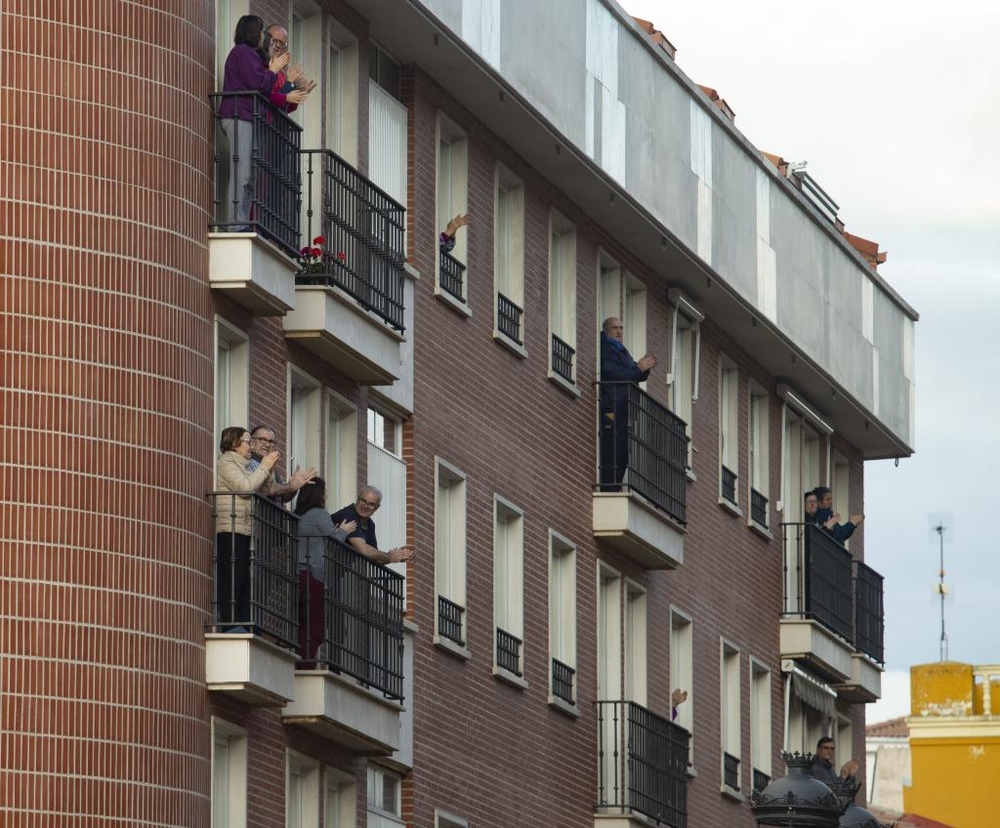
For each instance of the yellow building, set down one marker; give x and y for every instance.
(954, 743)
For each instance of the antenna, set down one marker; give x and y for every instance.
(941, 525)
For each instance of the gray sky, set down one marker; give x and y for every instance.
(896, 107)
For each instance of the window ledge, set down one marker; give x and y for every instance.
(564, 707)
(510, 344)
(455, 304)
(763, 531)
(691, 476)
(732, 508)
(510, 678)
(453, 649)
(563, 384)
(692, 772)
(731, 793)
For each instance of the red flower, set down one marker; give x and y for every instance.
(341, 256)
(316, 252)
(304, 252)
(319, 240)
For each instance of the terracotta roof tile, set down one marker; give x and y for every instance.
(657, 37)
(867, 248)
(904, 820)
(893, 727)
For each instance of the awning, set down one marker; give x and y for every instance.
(814, 693)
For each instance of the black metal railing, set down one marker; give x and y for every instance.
(254, 567)
(257, 179)
(642, 761)
(562, 358)
(450, 620)
(362, 615)
(643, 447)
(508, 652)
(731, 771)
(728, 484)
(818, 578)
(563, 679)
(758, 508)
(362, 227)
(452, 276)
(869, 612)
(760, 780)
(509, 319)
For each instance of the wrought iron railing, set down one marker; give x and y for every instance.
(254, 567)
(450, 620)
(643, 447)
(818, 578)
(563, 679)
(731, 771)
(257, 179)
(508, 652)
(758, 508)
(760, 780)
(509, 319)
(869, 612)
(562, 358)
(642, 761)
(728, 484)
(452, 276)
(363, 249)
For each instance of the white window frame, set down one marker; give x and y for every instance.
(227, 13)
(758, 450)
(730, 695)
(340, 804)
(303, 772)
(562, 612)
(562, 285)
(508, 581)
(803, 433)
(451, 192)
(608, 617)
(729, 427)
(443, 819)
(383, 816)
(635, 639)
(341, 88)
(508, 249)
(682, 670)
(305, 420)
(634, 315)
(232, 354)
(611, 296)
(340, 468)
(233, 778)
(450, 506)
(685, 363)
(760, 718)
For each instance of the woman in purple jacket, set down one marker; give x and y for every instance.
(245, 72)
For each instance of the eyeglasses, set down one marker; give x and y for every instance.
(371, 505)
(279, 44)
(266, 440)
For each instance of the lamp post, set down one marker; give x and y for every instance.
(797, 800)
(854, 816)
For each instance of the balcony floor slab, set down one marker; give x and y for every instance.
(627, 522)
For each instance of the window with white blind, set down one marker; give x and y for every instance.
(729, 440)
(508, 588)
(449, 556)
(562, 620)
(729, 692)
(385, 804)
(635, 643)
(685, 362)
(508, 255)
(342, 93)
(682, 670)
(758, 445)
(634, 316)
(301, 791)
(340, 805)
(387, 125)
(229, 775)
(801, 469)
(341, 468)
(760, 718)
(562, 295)
(305, 419)
(452, 198)
(232, 378)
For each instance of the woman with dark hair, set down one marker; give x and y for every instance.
(245, 72)
(232, 524)
(315, 526)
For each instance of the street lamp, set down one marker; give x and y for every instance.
(797, 800)
(854, 816)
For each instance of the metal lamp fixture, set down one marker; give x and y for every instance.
(797, 800)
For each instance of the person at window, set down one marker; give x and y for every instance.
(233, 524)
(291, 87)
(262, 441)
(677, 698)
(315, 526)
(822, 767)
(447, 240)
(811, 506)
(362, 539)
(830, 520)
(244, 72)
(618, 371)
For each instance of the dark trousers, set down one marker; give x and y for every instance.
(232, 578)
(311, 614)
(614, 449)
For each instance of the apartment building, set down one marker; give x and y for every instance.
(520, 669)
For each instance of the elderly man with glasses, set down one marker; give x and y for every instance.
(362, 539)
(262, 443)
(294, 77)
(822, 767)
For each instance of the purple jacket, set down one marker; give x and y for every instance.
(245, 72)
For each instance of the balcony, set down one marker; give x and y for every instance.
(254, 231)
(509, 319)
(349, 687)
(562, 359)
(452, 277)
(642, 767)
(250, 649)
(865, 683)
(349, 292)
(639, 500)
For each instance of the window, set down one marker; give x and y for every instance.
(341, 471)
(562, 618)
(760, 724)
(384, 70)
(634, 316)
(508, 587)
(342, 93)
(757, 442)
(841, 485)
(387, 470)
(562, 296)
(387, 126)
(508, 255)
(305, 403)
(844, 746)
(635, 643)
(301, 791)
(729, 442)
(227, 13)
(801, 468)
(339, 810)
(385, 806)
(685, 355)
(449, 555)
(229, 775)
(731, 725)
(452, 200)
(446, 820)
(805, 726)
(232, 377)
(682, 669)
(609, 667)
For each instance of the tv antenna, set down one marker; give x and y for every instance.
(941, 524)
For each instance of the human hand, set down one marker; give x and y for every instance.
(831, 522)
(278, 62)
(270, 459)
(400, 554)
(302, 476)
(296, 96)
(647, 362)
(850, 768)
(857, 520)
(306, 85)
(347, 526)
(459, 221)
(294, 72)
(678, 697)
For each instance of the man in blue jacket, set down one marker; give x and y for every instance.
(618, 372)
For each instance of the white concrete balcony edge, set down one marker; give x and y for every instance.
(808, 641)
(630, 524)
(329, 322)
(865, 684)
(253, 271)
(253, 670)
(341, 710)
(634, 820)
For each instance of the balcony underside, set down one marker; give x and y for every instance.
(340, 710)
(865, 684)
(250, 669)
(809, 642)
(331, 324)
(628, 523)
(252, 271)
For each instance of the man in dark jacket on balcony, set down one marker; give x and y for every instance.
(618, 372)
(829, 520)
(822, 767)
(362, 539)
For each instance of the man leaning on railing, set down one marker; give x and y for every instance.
(363, 538)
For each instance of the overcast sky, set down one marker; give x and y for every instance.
(896, 107)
